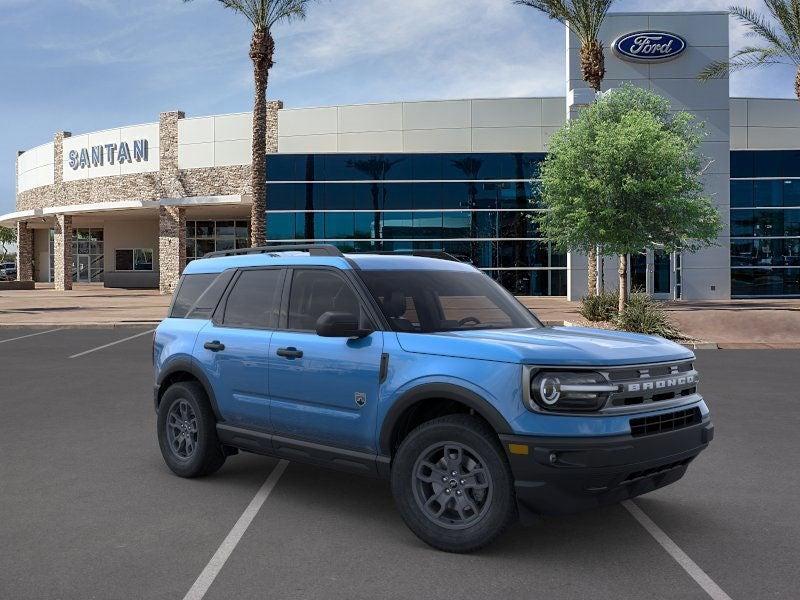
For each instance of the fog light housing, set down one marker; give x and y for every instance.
(570, 391)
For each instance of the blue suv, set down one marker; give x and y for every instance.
(423, 371)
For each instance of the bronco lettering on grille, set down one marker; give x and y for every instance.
(661, 384)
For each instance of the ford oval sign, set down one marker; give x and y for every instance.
(649, 46)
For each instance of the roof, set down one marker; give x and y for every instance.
(367, 262)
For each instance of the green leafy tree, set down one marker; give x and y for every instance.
(584, 19)
(778, 40)
(626, 175)
(8, 236)
(263, 15)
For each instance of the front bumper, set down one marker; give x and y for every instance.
(566, 475)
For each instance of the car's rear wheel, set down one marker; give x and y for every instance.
(452, 484)
(187, 431)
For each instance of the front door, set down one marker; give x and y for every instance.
(233, 348)
(324, 390)
(83, 269)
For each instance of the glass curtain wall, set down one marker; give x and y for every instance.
(765, 223)
(474, 206)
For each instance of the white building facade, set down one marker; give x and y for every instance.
(128, 207)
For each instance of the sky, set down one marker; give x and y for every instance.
(86, 65)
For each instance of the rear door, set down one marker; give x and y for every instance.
(232, 349)
(324, 390)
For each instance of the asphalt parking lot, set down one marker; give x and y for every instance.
(88, 509)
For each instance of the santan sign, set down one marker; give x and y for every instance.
(649, 46)
(97, 156)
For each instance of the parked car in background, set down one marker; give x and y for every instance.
(423, 371)
(8, 271)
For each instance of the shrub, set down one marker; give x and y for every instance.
(645, 315)
(602, 307)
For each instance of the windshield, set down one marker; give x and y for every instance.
(434, 301)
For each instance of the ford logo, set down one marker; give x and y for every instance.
(649, 46)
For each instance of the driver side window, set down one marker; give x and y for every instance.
(315, 292)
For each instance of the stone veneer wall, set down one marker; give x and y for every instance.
(169, 182)
(62, 250)
(24, 252)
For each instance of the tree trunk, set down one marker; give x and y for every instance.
(623, 282)
(797, 84)
(593, 64)
(592, 276)
(262, 48)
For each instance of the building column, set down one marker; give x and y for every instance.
(24, 252)
(171, 246)
(62, 251)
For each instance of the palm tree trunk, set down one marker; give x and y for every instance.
(593, 67)
(593, 70)
(262, 48)
(623, 282)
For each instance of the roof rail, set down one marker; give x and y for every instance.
(440, 254)
(312, 249)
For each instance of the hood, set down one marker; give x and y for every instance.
(579, 346)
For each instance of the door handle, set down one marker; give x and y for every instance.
(214, 346)
(290, 352)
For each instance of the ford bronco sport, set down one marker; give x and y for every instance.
(423, 371)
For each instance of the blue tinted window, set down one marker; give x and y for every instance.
(397, 196)
(791, 193)
(765, 282)
(398, 225)
(456, 224)
(768, 193)
(367, 225)
(768, 163)
(427, 225)
(742, 164)
(741, 194)
(282, 196)
(455, 195)
(281, 167)
(426, 195)
(280, 226)
(339, 225)
(339, 196)
(426, 166)
(742, 223)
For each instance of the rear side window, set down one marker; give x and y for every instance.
(254, 301)
(192, 286)
(208, 300)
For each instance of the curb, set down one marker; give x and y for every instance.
(95, 325)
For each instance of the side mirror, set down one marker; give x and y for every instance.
(339, 324)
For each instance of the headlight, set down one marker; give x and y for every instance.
(570, 390)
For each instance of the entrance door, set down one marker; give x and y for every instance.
(83, 269)
(638, 270)
(651, 272)
(662, 272)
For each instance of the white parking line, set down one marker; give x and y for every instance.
(688, 565)
(22, 337)
(112, 343)
(214, 566)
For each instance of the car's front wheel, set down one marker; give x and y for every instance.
(187, 432)
(452, 484)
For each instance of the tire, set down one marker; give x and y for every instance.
(200, 453)
(486, 504)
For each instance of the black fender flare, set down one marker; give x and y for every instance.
(186, 365)
(446, 391)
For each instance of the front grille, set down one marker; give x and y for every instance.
(665, 422)
(647, 384)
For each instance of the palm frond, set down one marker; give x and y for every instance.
(759, 26)
(746, 58)
(785, 13)
(583, 17)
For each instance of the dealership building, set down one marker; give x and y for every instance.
(129, 206)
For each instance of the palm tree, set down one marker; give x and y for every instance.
(779, 41)
(262, 15)
(584, 19)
